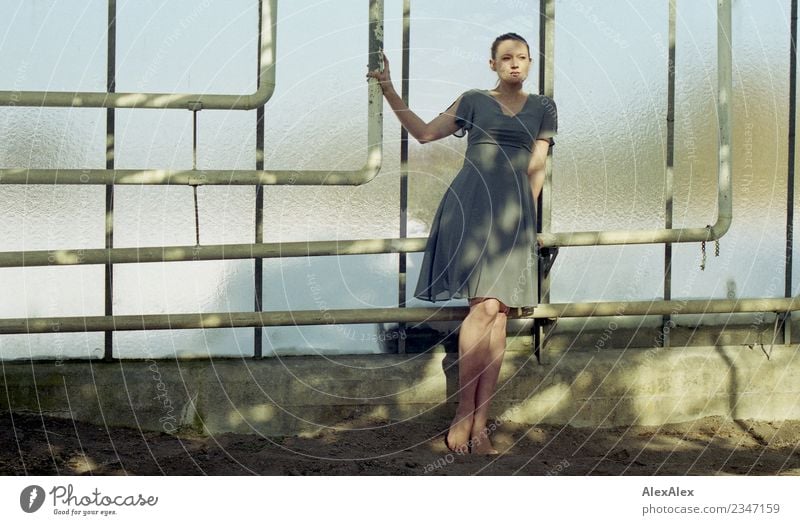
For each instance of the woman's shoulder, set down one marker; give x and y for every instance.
(470, 93)
(544, 100)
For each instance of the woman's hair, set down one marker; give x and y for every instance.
(508, 36)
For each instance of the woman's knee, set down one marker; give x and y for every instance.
(491, 306)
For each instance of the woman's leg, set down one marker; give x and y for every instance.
(487, 381)
(473, 345)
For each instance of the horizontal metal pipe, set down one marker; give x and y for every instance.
(725, 200)
(226, 320)
(192, 101)
(381, 315)
(693, 306)
(209, 252)
(196, 177)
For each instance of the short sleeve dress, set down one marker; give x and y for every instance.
(482, 241)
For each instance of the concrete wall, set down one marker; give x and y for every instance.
(292, 395)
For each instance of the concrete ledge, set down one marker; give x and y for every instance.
(293, 395)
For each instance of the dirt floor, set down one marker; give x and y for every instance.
(36, 445)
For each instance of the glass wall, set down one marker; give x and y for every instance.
(611, 67)
(317, 120)
(751, 259)
(609, 158)
(52, 46)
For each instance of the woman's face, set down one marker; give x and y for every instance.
(511, 62)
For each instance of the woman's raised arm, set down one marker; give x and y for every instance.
(443, 125)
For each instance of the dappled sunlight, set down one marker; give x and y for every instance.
(245, 418)
(82, 464)
(548, 401)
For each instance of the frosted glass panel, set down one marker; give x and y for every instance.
(322, 125)
(154, 139)
(207, 286)
(330, 283)
(609, 158)
(47, 292)
(164, 215)
(611, 91)
(320, 100)
(608, 273)
(54, 45)
(227, 141)
(751, 253)
(187, 46)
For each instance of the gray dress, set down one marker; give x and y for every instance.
(483, 236)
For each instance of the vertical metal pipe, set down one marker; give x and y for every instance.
(546, 87)
(401, 346)
(669, 173)
(724, 107)
(194, 186)
(547, 13)
(787, 334)
(375, 97)
(258, 273)
(111, 59)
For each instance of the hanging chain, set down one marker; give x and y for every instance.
(703, 256)
(703, 250)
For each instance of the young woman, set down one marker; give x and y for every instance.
(482, 245)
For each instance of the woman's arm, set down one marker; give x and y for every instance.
(443, 125)
(536, 166)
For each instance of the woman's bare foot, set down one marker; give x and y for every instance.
(457, 438)
(481, 444)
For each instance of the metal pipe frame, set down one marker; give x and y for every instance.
(194, 101)
(380, 315)
(236, 177)
(354, 316)
(357, 177)
(725, 200)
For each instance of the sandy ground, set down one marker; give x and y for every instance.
(36, 445)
